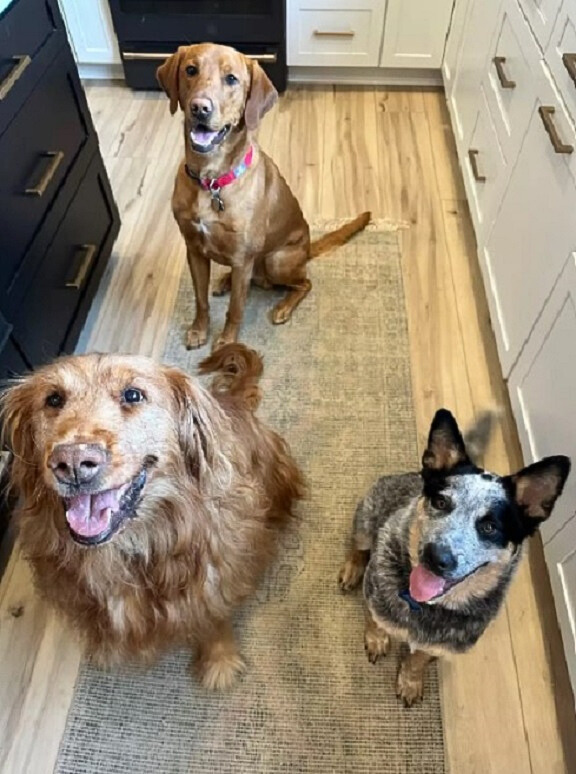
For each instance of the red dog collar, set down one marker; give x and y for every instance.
(214, 184)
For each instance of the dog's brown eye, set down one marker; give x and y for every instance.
(132, 395)
(487, 527)
(231, 79)
(191, 70)
(440, 503)
(55, 400)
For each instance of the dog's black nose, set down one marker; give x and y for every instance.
(77, 463)
(439, 558)
(202, 107)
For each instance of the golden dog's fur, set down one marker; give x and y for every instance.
(220, 485)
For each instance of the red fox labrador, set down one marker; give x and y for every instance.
(231, 203)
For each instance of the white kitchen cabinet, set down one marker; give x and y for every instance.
(470, 67)
(415, 33)
(561, 55)
(543, 386)
(541, 15)
(91, 32)
(560, 556)
(533, 233)
(334, 33)
(454, 43)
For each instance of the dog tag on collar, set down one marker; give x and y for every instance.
(217, 203)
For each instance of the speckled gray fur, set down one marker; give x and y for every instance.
(385, 514)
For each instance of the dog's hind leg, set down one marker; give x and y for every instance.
(410, 682)
(376, 639)
(219, 663)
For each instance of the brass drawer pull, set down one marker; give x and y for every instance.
(505, 82)
(569, 62)
(78, 281)
(334, 33)
(472, 153)
(56, 159)
(546, 113)
(21, 63)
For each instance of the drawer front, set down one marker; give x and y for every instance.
(533, 233)
(37, 151)
(542, 387)
(415, 33)
(484, 170)
(561, 56)
(510, 85)
(541, 15)
(326, 33)
(31, 33)
(60, 283)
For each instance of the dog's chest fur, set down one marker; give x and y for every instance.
(387, 514)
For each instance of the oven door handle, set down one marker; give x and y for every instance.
(132, 56)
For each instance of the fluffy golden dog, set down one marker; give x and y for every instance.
(150, 506)
(230, 201)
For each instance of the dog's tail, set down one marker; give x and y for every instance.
(237, 371)
(477, 437)
(340, 236)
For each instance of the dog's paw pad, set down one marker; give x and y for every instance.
(195, 338)
(221, 674)
(409, 689)
(350, 576)
(376, 645)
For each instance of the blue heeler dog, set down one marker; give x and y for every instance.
(438, 549)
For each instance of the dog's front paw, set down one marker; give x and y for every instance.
(196, 337)
(350, 575)
(409, 687)
(376, 644)
(220, 673)
(281, 313)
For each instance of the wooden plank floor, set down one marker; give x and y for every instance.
(506, 704)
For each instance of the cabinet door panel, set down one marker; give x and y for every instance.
(415, 33)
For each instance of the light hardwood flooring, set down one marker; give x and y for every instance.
(506, 706)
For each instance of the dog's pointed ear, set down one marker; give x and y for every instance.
(537, 487)
(261, 97)
(198, 421)
(168, 76)
(445, 447)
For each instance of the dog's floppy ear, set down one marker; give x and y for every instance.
(168, 76)
(16, 415)
(537, 487)
(199, 429)
(445, 447)
(261, 97)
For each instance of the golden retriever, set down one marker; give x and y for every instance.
(150, 506)
(231, 203)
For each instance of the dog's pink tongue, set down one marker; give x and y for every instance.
(89, 515)
(424, 585)
(203, 136)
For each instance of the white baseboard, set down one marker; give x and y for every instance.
(101, 72)
(366, 76)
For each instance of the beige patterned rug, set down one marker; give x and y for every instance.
(337, 386)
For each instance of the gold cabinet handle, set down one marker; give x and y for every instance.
(334, 33)
(56, 158)
(505, 82)
(21, 63)
(78, 281)
(569, 62)
(472, 153)
(546, 114)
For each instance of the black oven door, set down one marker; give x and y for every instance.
(196, 21)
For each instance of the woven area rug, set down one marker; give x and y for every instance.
(337, 386)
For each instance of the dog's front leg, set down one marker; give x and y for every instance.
(219, 663)
(197, 334)
(376, 639)
(410, 682)
(239, 284)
